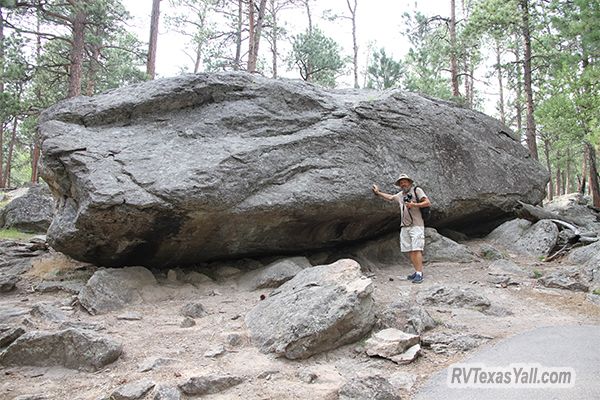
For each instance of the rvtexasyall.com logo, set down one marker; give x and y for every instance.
(518, 375)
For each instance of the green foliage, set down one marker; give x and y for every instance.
(384, 72)
(14, 234)
(317, 57)
(427, 59)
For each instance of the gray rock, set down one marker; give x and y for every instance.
(506, 267)
(408, 356)
(402, 380)
(274, 274)
(193, 310)
(70, 348)
(196, 278)
(8, 283)
(456, 296)
(489, 252)
(406, 316)
(442, 249)
(114, 288)
(208, 384)
(152, 363)
(133, 390)
(48, 312)
(73, 287)
(187, 322)
(321, 308)
(130, 316)
(450, 343)
(370, 387)
(32, 211)
(9, 334)
(575, 278)
(587, 255)
(522, 237)
(390, 342)
(165, 392)
(286, 167)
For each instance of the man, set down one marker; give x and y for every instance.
(412, 231)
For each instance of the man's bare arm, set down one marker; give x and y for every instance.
(386, 196)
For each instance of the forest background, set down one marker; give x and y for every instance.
(533, 64)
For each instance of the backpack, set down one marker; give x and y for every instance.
(425, 211)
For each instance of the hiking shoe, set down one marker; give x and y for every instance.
(411, 276)
(418, 279)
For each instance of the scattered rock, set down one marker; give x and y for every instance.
(406, 316)
(489, 252)
(165, 392)
(442, 249)
(31, 210)
(130, 316)
(113, 288)
(9, 334)
(193, 310)
(70, 348)
(187, 322)
(574, 278)
(8, 283)
(522, 237)
(370, 387)
(457, 296)
(152, 363)
(274, 274)
(390, 342)
(215, 351)
(208, 384)
(307, 376)
(444, 342)
(320, 309)
(133, 390)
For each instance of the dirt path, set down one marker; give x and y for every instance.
(219, 342)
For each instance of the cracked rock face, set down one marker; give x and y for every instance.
(208, 166)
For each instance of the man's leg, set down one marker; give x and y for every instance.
(416, 258)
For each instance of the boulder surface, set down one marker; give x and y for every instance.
(214, 166)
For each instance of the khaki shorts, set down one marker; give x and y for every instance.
(412, 238)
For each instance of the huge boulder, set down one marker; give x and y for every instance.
(210, 166)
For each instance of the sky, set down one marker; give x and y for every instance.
(378, 21)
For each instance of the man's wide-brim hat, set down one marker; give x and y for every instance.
(403, 176)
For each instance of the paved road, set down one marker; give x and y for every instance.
(574, 346)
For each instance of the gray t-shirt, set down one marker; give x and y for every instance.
(410, 216)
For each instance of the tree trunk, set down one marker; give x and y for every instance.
(77, 49)
(11, 146)
(251, 61)
(256, 30)
(453, 46)
(583, 182)
(309, 15)
(153, 42)
(558, 176)
(35, 157)
(274, 38)
(238, 37)
(1, 89)
(594, 184)
(93, 70)
(354, 42)
(500, 85)
(549, 168)
(518, 100)
(531, 135)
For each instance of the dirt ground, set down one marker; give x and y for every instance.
(219, 342)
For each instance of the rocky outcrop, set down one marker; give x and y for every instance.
(212, 166)
(321, 308)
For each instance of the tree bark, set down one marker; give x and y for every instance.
(594, 183)
(256, 31)
(354, 41)
(77, 49)
(500, 85)
(153, 42)
(6, 179)
(550, 192)
(530, 129)
(238, 37)
(453, 46)
(1, 88)
(93, 69)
